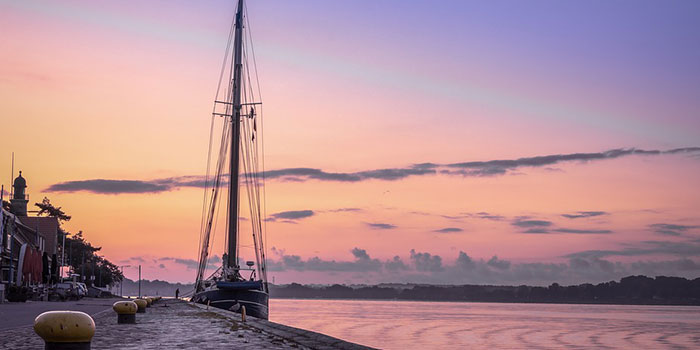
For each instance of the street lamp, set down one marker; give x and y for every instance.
(121, 283)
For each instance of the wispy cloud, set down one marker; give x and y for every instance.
(344, 210)
(188, 263)
(291, 216)
(449, 230)
(502, 166)
(584, 214)
(466, 169)
(529, 223)
(672, 229)
(104, 186)
(536, 230)
(683, 249)
(380, 226)
(390, 174)
(581, 231)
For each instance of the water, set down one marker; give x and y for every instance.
(446, 325)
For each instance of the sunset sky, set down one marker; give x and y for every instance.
(385, 122)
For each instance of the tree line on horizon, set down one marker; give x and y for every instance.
(661, 290)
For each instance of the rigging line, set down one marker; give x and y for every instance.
(218, 89)
(250, 162)
(253, 184)
(205, 249)
(262, 134)
(213, 215)
(222, 159)
(252, 175)
(248, 165)
(250, 183)
(252, 51)
(247, 71)
(206, 182)
(228, 49)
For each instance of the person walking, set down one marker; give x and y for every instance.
(177, 293)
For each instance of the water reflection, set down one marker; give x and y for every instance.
(403, 324)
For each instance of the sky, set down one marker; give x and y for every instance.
(445, 142)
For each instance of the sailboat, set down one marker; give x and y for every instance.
(239, 165)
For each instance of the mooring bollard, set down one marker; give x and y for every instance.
(243, 313)
(149, 300)
(141, 305)
(126, 311)
(65, 330)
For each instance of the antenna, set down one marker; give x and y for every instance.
(12, 175)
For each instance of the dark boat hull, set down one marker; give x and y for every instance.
(254, 300)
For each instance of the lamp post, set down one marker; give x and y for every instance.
(63, 257)
(121, 283)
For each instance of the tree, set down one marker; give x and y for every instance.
(82, 256)
(45, 207)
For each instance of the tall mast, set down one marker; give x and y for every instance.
(235, 141)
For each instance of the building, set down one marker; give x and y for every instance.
(28, 244)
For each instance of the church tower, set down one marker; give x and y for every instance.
(19, 200)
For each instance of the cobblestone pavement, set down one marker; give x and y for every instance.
(303, 338)
(170, 324)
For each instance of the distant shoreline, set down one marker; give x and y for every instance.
(631, 290)
(493, 301)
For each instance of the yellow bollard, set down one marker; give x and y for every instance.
(126, 311)
(141, 303)
(149, 300)
(65, 329)
(242, 313)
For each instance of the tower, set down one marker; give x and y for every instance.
(19, 200)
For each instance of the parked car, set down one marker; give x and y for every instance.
(64, 291)
(97, 292)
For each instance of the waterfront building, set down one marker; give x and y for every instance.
(27, 243)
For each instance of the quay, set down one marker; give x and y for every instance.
(176, 324)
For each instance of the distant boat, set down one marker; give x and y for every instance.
(240, 146)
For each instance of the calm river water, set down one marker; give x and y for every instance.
(430, 325)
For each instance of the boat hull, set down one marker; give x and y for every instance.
(254, 300)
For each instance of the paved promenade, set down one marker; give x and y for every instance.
(171, 324)
(23, 314)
